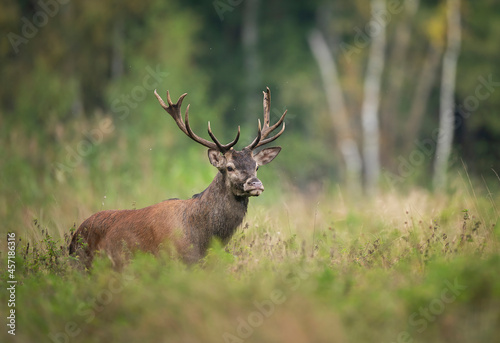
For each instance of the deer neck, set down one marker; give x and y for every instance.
(217, 211)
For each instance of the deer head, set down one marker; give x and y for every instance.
(238, 168)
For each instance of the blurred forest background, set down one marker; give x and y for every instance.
(80, 128)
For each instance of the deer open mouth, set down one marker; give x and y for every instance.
(256, 191)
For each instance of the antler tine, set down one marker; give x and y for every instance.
(212, 145)
(216, 141)
(233, 143)
(278, 123)
(267, 106)
(256, 141)
(160, 100)
(226, 147)
(266, 130)
(173, 109)
(270, 139)
(175, 112)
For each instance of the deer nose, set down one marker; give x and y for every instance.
(254, 185)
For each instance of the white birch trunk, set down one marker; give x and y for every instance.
(446, 107)
(370, 107)
(338, 111)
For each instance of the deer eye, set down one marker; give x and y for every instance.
(230, 169)
(257, 168)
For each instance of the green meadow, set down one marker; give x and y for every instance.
(413, 267)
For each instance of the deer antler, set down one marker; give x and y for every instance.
(266, 130)
(175, 111)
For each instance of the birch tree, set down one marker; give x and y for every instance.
(446, 107)
(371, 101)
(337, 108)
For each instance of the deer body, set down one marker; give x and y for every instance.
(185, 225)
(188, 225)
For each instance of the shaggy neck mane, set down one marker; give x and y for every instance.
(215, 212)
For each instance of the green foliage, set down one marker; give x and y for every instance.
(46, 254)
(416, 275)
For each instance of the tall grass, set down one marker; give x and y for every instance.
(401, 268)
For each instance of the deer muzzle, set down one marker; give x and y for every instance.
(253, 186)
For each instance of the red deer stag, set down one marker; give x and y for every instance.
(187, 225)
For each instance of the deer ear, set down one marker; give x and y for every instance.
(266, 155)
(216, 158)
